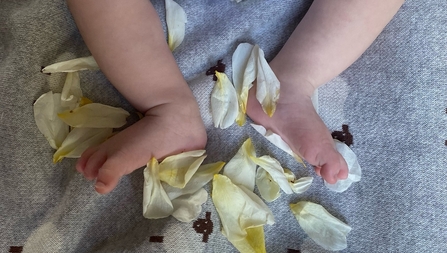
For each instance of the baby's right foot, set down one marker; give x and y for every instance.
(297, 122)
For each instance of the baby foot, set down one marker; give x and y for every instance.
(165, 130)
(297, 122)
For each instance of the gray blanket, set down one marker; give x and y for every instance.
(393, 100)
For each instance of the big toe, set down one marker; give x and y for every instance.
(333, 167)
(108, 177)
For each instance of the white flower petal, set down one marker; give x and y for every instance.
(314, 99)
(156, 203)
(202, 176)
(277, 141)
(46, 109)
(188, 207)
(71, 93)
(74, 65)
(354, 170)
(268, 188)
(238, 208)
(241, 169)
(326, 230)
(175, 21)
(79, 139)
(224, 104)
(95, 115)
(298, 186)
(177, 170)
(243, 77)
(267, 84)
(273, 167)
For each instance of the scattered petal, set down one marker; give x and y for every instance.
(177, 170)
(224, 104)
(84, 101)
(241, 169)
(314, 99)
(71, 93)
(254, 242)
(277, 141)
(268, 188)
(239, 209)
(273, 167)
(267, 84)
(46, 109)
(78, 140)
(202, 176)
(354, 170)
(188, 207)
(298, 186)
(326, 230)
(175, 20)
(95, 115)
(156, 203)
(74, 65)
(243, 76)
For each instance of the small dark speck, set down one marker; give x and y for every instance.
(71, 111)
(445, 143)
(220, 67)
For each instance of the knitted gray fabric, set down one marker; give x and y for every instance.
(393, 99)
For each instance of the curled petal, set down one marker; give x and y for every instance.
(241, 169)
(95, 115)
(177, 170)
(268, 188)
(238, 208)
(71, 93)
(273, 167)
(79, 139)
(354, 170)
(175, 21)
(277, 141)
(326, 230)
(74, 65)
(254, 242)
(156, 203)
(46, 109)
(298, 186)
(188, 207)
(224, 103)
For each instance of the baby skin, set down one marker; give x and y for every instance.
(332, 35)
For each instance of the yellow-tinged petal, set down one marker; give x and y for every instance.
(326, 230)
(241, 169)
(268, 188)
(238, 208)
(224, 102)
(84, 101)
(298, 186)
(202, 176)
(95, 115)
(274, 168)
(175, 21)
(74, 65)
(156, 203)
(46, 109)
(277, 141)
(177, 170)
(253, 243)
(188, 207)
(267, 84)
(78, 140)
(71, 93)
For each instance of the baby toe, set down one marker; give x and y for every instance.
(94, 163)
(82, 161)
(108, 177)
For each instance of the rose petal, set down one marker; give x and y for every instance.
(268, 188)
(95, 115)
(188, 207)
(71, 93)
(241, 169)
(254, 242)
(175, 21)
(273, 167)
(224, 104)
(74, 65)
(298, 186)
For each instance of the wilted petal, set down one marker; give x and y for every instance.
(188, 207)
(238, 208)
(274, 168)
(74, 65)
(71, 93)
(243, 77)
(78, 140)
(267, 85)
(326, 230)
(254, 242)
(298, 186)
(95, 115)
(277, 141)
(241, 169)
(354, 170)
(202, 176)
(177, 170)
(156, 203)
(224, 104)
(268, 188)
(175, 20)
(46, 109)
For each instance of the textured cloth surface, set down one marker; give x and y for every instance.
(393, 99)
